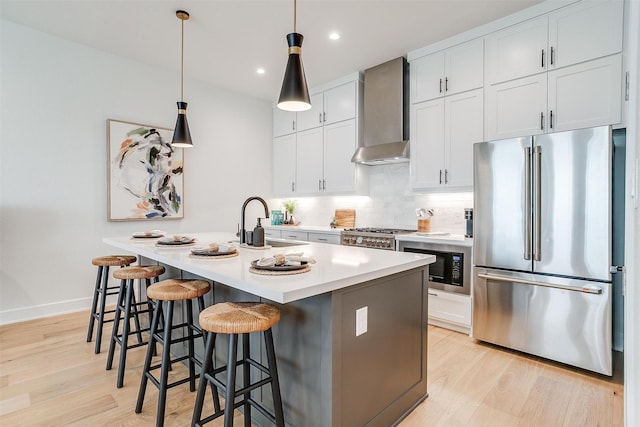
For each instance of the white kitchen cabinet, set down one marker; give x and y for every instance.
(580, 32)
(340, 103)
(339, 172)
(284, 165)
(585, 95)
(313, 117)
(330, 238)
(582, 95)
(457, 69)
(284, 122)
(443, 133)
(295, 235)
(309, 164)
(270, 232)
(450, 310)
(516, 108)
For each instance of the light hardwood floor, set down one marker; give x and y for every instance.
(49, 376)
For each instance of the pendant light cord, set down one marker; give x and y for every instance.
(182, 64)
(294, 16)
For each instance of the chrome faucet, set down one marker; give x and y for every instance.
(244, 206)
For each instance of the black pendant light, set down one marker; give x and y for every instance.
(181, 134)
(294, 95)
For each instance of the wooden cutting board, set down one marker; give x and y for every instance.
(345, 218)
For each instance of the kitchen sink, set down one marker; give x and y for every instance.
(277, 243)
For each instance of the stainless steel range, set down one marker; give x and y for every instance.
(379, 238)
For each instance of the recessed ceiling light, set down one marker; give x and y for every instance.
(334, 35)
(260, 70)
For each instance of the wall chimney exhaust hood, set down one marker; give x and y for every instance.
(386, 111)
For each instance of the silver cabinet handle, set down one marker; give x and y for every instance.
(527, 203)
(293, 186)
(440, 176)
(551, 119)
(551, 54)
(440, 85)
(541, 121)
(293, 125)
(322, 239)
(446, 84)
(542, 64)
(319, 117)
(537, 211)
(324, 184)
(319, 184)
(433, 294)
(589, 289)
(324, 116)
(446, 176)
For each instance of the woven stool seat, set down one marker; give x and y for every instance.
(239, 317)
(178, 289)
(139, 272)
(113, 260)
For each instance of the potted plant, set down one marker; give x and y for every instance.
(290, 207)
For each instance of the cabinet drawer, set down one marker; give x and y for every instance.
(295, 235)
(272, 233)
(333, 239)
(450, 307)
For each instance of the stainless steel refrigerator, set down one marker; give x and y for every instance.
(542, 246)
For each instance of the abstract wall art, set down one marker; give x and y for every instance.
(145, 173)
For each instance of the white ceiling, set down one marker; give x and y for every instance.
(226, 41)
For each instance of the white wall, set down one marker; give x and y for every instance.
(55, 99)
(390, 203)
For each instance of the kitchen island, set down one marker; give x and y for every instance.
(334, 370)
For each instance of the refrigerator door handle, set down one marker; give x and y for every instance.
(527, 203)
(589, 289)
(537, 202)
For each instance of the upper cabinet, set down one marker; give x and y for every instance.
(324, 141)
(580, 32)
(448, 72)
(284, 122)
(331, 106)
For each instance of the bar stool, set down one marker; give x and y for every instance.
(128, 308)
(101, 291)
(235, 318)
(168, 292)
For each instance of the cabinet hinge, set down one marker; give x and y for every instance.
(626, 86)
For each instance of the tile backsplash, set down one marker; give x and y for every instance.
(391, 203)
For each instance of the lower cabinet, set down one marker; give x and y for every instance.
(295, 235)
(449, 310)
(330, 238)
(302, 235)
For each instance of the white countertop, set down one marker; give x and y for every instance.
(443, 239)
(336, 266)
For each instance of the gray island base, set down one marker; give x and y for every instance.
(334, 370)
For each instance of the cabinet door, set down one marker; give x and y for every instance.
(463, 127)
(284, 165)
(463, 67)
(339, 146)
(312, 117)
(586, 95)
(284, 122)
(516, 108)
(427, 144)
(584, 31)
(517, 51)
(427, 77)
(309, 161)
(330, 238)
(450, 307)
(340, 103)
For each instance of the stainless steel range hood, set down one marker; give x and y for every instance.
(386, 111)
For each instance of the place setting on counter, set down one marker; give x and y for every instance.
(282, 264)
(177, 240)
(215, 251)
(148, 234)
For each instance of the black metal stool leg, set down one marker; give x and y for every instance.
(275, 384)
(94, 305)
(135, 312)
(207, 366)
(231, 380)
(103, 300)
(164, 369)
(192, 365)
(125, 333)
(116, 324)
(149, 357)
(246, 373)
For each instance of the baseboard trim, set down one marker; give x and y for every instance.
(44, 310)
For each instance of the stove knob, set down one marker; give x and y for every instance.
(359, 240)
